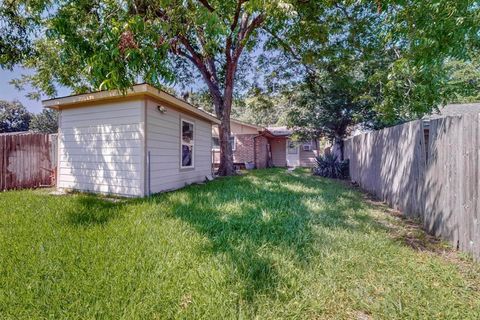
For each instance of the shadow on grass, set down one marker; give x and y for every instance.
(253, 220)
(91, 210)
(250, 217)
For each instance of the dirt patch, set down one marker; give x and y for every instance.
(186, 301)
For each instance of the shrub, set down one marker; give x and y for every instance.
(330, 167)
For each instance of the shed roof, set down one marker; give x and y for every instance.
(138, 90)
(457, 109)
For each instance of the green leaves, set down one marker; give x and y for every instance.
(392, 51)
(13, 117)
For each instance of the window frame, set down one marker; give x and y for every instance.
(307, 144)
(191, 144)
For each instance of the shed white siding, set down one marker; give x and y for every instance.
(163, 143)
(101, 148)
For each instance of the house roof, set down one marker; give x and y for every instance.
(455, 110)
(270, 131)
(247, 124)
(280, 131)
(138, 90)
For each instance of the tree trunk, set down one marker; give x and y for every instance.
(226, 154)
(317, 147)
(223, 111)
(338, 148)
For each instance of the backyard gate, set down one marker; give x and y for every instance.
(27, 160)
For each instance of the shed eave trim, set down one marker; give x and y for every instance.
(137, 90)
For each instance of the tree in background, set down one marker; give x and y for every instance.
(13, 117)
(45, 121)
(464, 80)
(261, 108)
(17, 24)
(423, 36)
(332, 63)
(371, 63)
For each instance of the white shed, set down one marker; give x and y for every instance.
(134, 144)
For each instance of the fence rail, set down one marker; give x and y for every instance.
(27, 160)
(429, 172)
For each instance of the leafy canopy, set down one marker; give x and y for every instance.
(13, 117)
(45, 121)
(401, 48)
(89, 45)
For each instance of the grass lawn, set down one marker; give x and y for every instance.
(266, 245)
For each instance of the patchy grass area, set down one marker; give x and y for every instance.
(266, 245)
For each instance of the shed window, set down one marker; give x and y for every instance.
(233, 142)
(187, 144)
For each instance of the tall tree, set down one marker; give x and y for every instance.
(14, 117)
(113, 44)
(104, 44)
(335, 59)
(370, 62)
(403, 51)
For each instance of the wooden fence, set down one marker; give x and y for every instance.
(426, 171)
(27, 160)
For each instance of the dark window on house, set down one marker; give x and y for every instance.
(215, 143)
(187, 143)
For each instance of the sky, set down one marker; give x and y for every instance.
(9, 92)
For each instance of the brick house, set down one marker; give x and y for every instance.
(265, 147)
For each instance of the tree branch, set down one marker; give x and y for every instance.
(207, 5)
(245, 34)
(292, 52)
(234, 24)
(198, 61)
(209, 59)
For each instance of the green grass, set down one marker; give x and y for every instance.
(266, 245)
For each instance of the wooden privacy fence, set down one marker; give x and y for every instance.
(427, 171)
(27, 160)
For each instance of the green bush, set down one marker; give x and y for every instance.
(329, 166)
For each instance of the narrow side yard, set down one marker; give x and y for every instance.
(269, 244)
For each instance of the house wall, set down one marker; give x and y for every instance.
(244, 148)
(307, 158)
(279, 152)
(261, 148)
(244, 144)
(100, 148)
(238, 128)
(163, 142)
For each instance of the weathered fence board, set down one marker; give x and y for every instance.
(27, 160)
(388, 163)
(438, 183)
